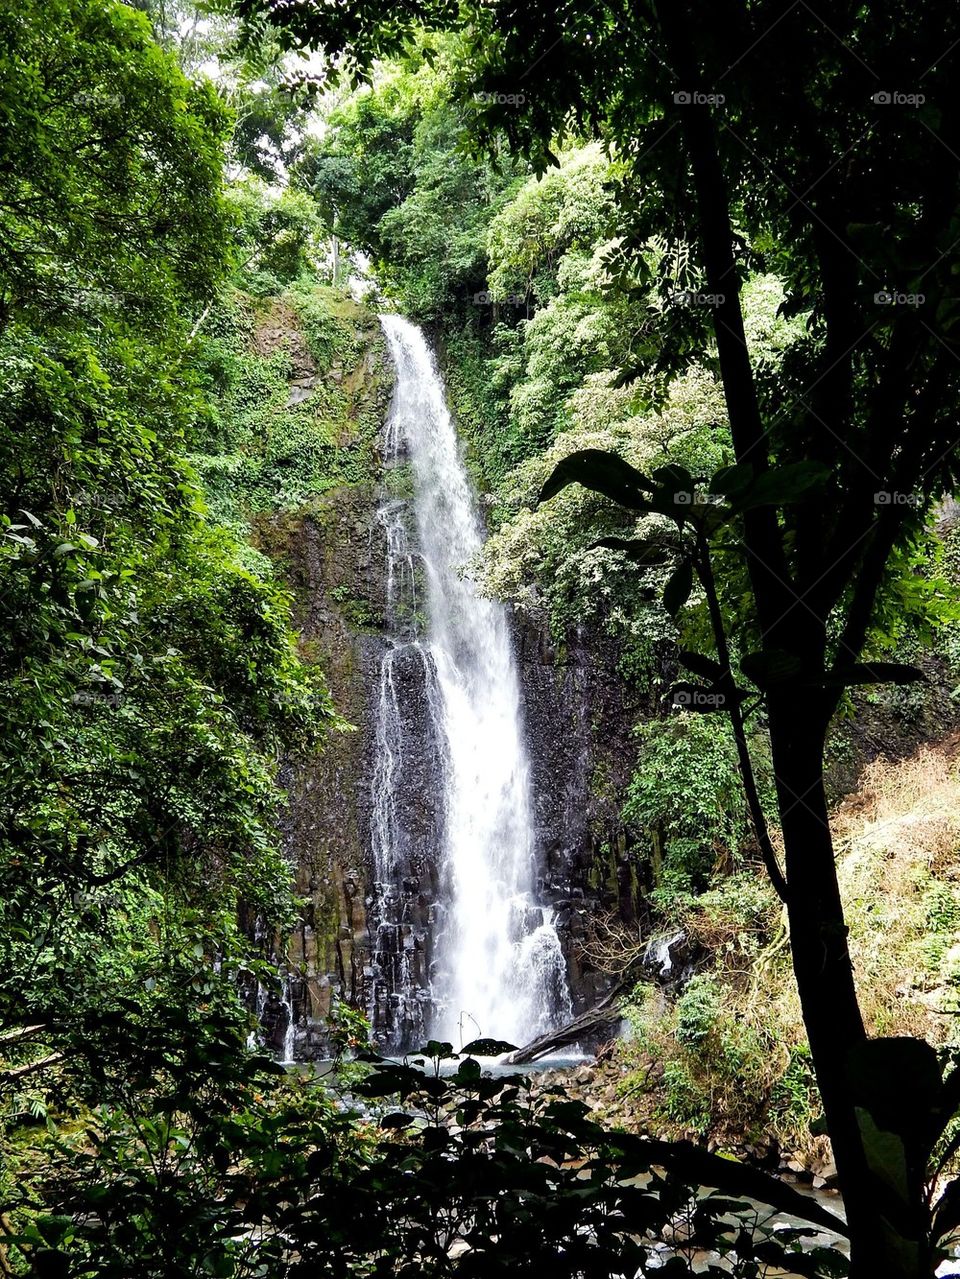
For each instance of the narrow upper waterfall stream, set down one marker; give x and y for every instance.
(496, 967)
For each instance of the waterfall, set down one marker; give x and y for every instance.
(496, 966)
(288, 1053)
(274, 1011)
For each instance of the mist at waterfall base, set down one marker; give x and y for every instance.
(497, 969)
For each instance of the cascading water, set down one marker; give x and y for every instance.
(406, 765)
(497, 967)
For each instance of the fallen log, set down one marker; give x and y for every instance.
(17, 1072)
(600, 1016)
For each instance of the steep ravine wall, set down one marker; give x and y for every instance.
(327, 556)
(326, 553)
(579, 715)
(578, 720)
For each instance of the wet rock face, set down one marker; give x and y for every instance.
(579, 715)
(371, 945)
(366, 944)
(403, 909)
(324, 554)
(328, 556)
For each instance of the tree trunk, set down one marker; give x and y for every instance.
(798, 717)
(601, 1016)
(823, 970)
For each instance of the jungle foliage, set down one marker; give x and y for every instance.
(150, 676)
(153, 227)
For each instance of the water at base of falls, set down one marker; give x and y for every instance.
(496, 967)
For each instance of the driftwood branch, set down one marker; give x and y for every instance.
(600, 1016)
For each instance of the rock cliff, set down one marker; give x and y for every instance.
(578, 716)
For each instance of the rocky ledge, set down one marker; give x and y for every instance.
(612, 1094)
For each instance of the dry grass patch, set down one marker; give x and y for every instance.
(730, 1050)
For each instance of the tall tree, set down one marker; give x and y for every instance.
(148, 680)
(823, 141)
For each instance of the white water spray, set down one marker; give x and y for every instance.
(499, 968)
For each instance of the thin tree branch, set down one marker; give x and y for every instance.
(757, 819)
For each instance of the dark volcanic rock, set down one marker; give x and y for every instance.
(371, 946)
(579, 717)
(368, 943)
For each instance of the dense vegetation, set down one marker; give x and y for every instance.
(150, 673)
(536, 339)
(182, 364)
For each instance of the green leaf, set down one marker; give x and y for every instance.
(673, 477)
(708, 667)
(873, 673)
(820, 1263)
(782, 485)
(489, 1047)
(729, 481)
(641, 551)
(897, 1080)
(468, 1070)
(435, 1139)
(946, 1214)
(775, 666)
(779, 667)
(698, 1167)
(439, 1051)
(602, 472)
(678, 588)
(397, 1119)
(886, 1154)
(389, 1080)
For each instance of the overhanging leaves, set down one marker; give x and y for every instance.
(678, 588)
(602, 472)
(708, 667)
(782, 485)
(777, 666)
(702, 1168)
